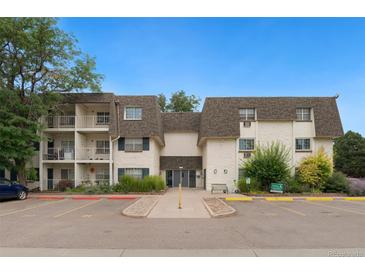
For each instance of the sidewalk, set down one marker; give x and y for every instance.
(192, 205)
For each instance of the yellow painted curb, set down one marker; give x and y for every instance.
(354, 199)
(243, 199)
(279, 199)
(324, 199)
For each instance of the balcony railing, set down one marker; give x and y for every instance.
(93, 182)
(93, 153)
(60, 121)
(59, 184)
(92, 121)
(59, 154)
(83, 121)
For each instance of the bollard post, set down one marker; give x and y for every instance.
(180, 196)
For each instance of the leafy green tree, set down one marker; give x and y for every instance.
(349, 154)
(269, 164)
(315, 170)
(179, 102)
(38, 61)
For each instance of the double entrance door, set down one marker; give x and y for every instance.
(186, 177)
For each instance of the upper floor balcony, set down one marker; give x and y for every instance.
(82, 122)
(64, 153)
(93, 154)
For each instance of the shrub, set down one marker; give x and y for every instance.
(65, 184)
(268, 164)
(292, 185)
(337, 183)
(254, 186)
(91, 189)
(315, 170)
(147, 184)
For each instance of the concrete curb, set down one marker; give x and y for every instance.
(231, 211)
(291, 199)
(84, 197)
(129, 210)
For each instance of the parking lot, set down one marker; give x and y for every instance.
(98, 224)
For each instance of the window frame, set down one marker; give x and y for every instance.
(303, 148)
(246, 139)
(104, 117)
(70, 171)
(301, 115)
(104, 149)
(102, 174)
(244, 115)
(132, 172)
(134, 115)
(136, 146)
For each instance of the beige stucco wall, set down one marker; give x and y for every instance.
(221, 155)
(145, 159)
(181, 144)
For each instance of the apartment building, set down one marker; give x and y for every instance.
(99, 137)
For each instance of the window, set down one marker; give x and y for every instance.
(246, 144)
(67, 174)
(134, 172)
(133, 113)
(102, 147)
(67, 146)
(247, 114)
(241, 173)
(102, 174)
(102, 118)
(135, 144)
(303, 114)
(302, 144)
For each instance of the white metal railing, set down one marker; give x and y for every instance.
(93, 153)
(60, 121)
(59, 184)
(93, 182)
(92, 121)
(59, 154)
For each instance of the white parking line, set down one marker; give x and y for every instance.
(29, 208)
(292, 210)
(76, 208)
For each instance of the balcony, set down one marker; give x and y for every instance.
(93, 153)
(92, 121)
(92, 182)
(81, 122)
(59, 184)
(60, 121)
(59, 154)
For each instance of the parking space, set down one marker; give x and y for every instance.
(70, 223)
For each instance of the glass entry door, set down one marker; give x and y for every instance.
(185, 177)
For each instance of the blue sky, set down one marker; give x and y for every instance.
(231, 57)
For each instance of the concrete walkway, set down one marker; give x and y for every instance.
(192, 205)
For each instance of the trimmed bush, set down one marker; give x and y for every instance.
(254, 186)
(147, 184)
(292, 185)
(337, 183)
(268, 164)
(65, 184)
(315, 170)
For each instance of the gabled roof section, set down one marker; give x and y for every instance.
(181, 121)
(151, 123)
(220, 115)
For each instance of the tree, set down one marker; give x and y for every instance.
(315, 170)
(349, 154)
(38, 61)
(179, 102)
(269, 164)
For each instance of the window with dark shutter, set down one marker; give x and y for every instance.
(145, 172)
(121, 142)
(146, 143)
(121, 172)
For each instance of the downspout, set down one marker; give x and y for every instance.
(112, 141)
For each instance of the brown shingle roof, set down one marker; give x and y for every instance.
(181, 121)
(220, 116)
(150, 125)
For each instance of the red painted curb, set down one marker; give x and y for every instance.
(85, 198)
(122, 198)
(50, 198)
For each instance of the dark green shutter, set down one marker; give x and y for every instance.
(37, 173)
(241, 173)
(121, 172)
(146, 143)
(13, 175)
(121, 142)
(145, 172)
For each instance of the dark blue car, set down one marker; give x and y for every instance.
(10, 189)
